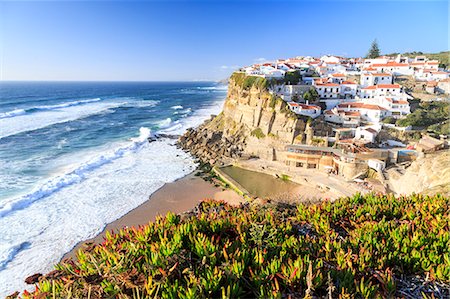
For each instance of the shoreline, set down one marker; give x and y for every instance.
(177, 197)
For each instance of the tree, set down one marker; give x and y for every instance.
(292, 77)
(374, 51)
(311, 95)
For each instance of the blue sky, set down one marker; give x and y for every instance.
(195, 40)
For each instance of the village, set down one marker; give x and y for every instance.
(360, 98)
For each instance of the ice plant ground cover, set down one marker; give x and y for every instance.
(370, 246)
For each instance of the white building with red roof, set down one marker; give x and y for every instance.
(345, 118)
(327, 90)
(369, 113)
(390, 90)
(312, 111)
(394, 68)
(348, 89)
(374, 78)
(397, 107)
(337, 77)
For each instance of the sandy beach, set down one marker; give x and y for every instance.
(177, 197)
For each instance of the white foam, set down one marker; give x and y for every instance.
(164, 123)
(177, 107)
(218, 88)
(109, 185)
(77, 212)
(50, 116)
(72, 177)
(12, 113)
(18, 112)
(65, 105)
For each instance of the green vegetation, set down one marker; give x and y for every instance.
(292, 78)
(389, 120)
(285, 178)
(441, 128)
(258, 133)
(247, 82)
(431, 115)
(359, 247)
(318, 141)
(374, 50)
(311, 95)
(273, 101)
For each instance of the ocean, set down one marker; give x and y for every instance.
(74, 157)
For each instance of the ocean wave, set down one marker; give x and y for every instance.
(19, 112)
(8, 255)
(64, 105)
(75, 176)
(218, 88)
(48, 117)
(12, 113)
(177, 107)
(164, 123)
(81, 211)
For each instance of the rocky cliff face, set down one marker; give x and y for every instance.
(253, 123)
(428, 175)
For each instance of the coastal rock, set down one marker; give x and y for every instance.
(253, 123)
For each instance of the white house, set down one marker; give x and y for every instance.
(330, 59)
(251, 70)
(337, 78)
(390, 90)
(305, 109)
(366, 133)
(394, 68)
(369, 113)
(327, 90)
(344, 118)
(368, 79)
(397, 107)
(348, 89)
(269, 71)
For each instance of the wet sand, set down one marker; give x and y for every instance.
(177, 197)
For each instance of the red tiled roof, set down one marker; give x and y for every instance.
(389, 64)
(360, 106)
(382, 86)
(380, 74)
(327, 84)
(349, 82)
(400, 102)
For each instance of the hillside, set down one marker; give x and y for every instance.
(443, 57)
(359, 247)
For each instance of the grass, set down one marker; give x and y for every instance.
(247, 82)
(359, 247)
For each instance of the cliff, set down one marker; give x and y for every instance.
(254, 122)
(427, 175)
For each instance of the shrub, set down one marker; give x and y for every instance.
(362, 245)
(258, 133)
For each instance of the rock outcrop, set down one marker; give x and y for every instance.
(427, 175)
(254, 122)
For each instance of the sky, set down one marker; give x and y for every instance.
(201, 40)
